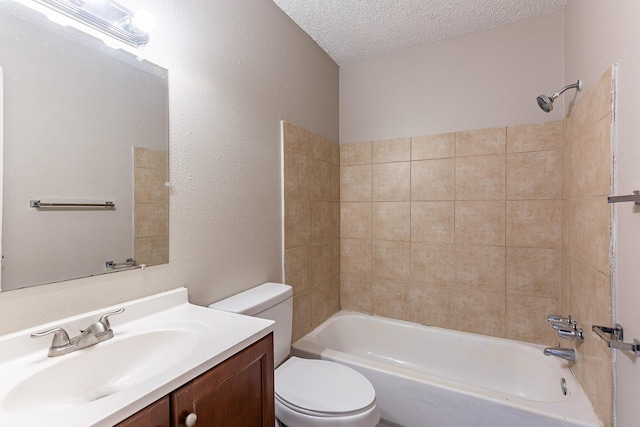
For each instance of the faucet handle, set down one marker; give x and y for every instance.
(60, 337)
(557, 318)
(104, 319)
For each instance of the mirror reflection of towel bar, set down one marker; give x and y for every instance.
(130, 262)
(38, 204)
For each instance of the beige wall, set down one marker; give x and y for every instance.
(479, 80)
(311, 226)
(458, 230)
(598, 34)
(232, 77)
(586, 236)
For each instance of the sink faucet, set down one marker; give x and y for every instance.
(563, 353)
(96, 332)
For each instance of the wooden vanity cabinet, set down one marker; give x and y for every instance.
(238, 392)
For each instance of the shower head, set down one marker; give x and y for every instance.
(546, 103)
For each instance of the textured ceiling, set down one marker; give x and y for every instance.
(355, 30)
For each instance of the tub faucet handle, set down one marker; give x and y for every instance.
(557, 318)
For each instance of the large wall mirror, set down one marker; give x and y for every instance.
(83, 124)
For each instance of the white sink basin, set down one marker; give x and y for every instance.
(99, 371)
(160, 343)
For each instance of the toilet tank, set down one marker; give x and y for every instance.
(273, 301)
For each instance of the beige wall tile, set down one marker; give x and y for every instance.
(432, 305)
(567, 171)
(390, 298)
(355, 220)
(588, 231)
(480, 267)
(481, 142)
(325, 150)
(391, 259)
(325, 301)
(432, 180)
(297, 224)
(302, 321)
(150, 159)
(533, 223)
(297, 268)
(320, 262)
(534, 137)
(536, 175)
(591, 161)
(391, 182)
(297, 177)
(433, 146)
(355, 257)
(480, 177)
(432, 264)
(391, 221)
(355, 154)
(480, 312)
(432, 222)
(151, 219)
(296, 140)
(392, 150)
(534, 272)
(526, 319)
(149, 185)
(355, 293)
(151, 250)
(480, 223)
(325, 182)
(598, 99)
(325, 221)
(355, 183)
(335, 258)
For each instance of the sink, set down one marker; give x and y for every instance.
(160, 343)
(99, 371)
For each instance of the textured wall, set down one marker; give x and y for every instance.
(311, 226)
(236, 69)
(458, 230)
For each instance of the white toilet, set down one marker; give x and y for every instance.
(308, 392)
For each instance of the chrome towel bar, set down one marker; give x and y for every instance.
(38, 204)
(635, 197)
(614, 338)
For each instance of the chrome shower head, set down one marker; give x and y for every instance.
(546, 103)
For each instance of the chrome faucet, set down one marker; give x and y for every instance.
(96, 332)
(563, 353)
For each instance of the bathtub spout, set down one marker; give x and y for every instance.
(563, 353)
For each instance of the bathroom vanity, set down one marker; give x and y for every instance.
(168, 362)
(238, 392)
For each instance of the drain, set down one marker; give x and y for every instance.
(563, 386)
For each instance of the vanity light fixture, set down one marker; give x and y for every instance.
(108, 17)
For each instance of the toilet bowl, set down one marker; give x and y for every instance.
(308, 392)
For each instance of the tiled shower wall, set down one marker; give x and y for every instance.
(459, 230)
(586, 236)
(311, 226)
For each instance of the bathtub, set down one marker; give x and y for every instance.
(431, 377)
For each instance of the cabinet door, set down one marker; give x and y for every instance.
(155, 415)
(238, 392)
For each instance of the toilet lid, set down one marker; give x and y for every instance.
(322, 387)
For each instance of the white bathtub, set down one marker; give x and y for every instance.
(432, 377)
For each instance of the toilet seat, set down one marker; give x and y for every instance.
(324, 389)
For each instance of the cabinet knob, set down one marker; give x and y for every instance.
(191, 419)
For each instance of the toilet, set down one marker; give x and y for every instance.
(308, 392)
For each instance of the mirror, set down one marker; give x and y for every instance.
(83, 124)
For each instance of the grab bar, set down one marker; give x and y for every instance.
(130, 262)
(614, 338)
(635, 197)
(38, 204)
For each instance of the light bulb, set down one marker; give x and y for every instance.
(143, 21)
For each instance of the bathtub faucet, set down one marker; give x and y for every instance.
(563, 353)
